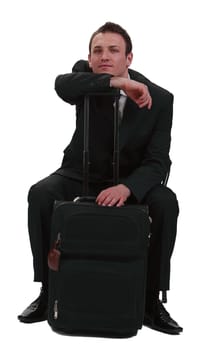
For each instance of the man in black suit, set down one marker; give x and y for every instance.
(146, 120)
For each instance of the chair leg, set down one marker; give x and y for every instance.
(164, 296)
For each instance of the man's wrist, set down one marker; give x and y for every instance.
(118, 82)
(126, 189)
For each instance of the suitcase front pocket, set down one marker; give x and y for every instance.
(97, 295)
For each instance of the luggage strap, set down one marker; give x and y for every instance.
(86, 160)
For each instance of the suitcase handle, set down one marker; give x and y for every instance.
(86, 161)
(85, 199)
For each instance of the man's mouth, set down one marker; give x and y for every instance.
(105, 66)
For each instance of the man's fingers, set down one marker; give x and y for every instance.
(112, 202)
(103, 198)
(150, 104)
(115, 195)
(100, 199)
(120, 203)
(107, 201)
(145, 99)
(145, 102)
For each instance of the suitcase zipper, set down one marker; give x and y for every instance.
(55, 307)
(58, 241)
(55, 310)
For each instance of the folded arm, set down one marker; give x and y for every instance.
(73, 86)
(136, 91)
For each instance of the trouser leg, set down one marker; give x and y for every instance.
(41, 198)
(163, 209)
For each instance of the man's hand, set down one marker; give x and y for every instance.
(115, 195)
(137, 91)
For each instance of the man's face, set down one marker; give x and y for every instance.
(108, 55)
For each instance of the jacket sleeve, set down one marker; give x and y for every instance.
(156, 161)
(73, 86)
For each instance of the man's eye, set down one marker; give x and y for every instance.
(114, 50)
(97, 51)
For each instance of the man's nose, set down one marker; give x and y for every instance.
(105, 56)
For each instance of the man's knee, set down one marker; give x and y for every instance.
(42, 191)
(36, 193)
(163, 199)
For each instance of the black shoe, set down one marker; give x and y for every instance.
(37, 310)
(160, 320)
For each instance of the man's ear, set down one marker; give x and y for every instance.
(129, 59)
(89, 60)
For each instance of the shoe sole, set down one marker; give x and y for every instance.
(156, 328)
(33, 320)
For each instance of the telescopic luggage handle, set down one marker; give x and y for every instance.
(86, 160)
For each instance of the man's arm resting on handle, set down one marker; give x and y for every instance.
(136, 91)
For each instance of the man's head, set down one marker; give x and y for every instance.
(110, 50)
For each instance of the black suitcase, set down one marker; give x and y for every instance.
(97, 264)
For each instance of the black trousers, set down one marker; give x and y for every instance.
(163, 208)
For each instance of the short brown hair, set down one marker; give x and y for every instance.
(113, 28)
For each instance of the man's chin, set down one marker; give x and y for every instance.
(105, 71)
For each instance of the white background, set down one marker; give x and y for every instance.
(39, 40)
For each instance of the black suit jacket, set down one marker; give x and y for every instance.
(144, 134)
